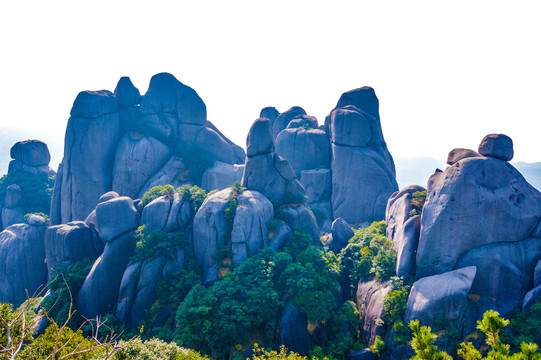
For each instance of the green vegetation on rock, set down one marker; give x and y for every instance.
(36, 190)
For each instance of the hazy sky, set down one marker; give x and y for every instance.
(446, 73)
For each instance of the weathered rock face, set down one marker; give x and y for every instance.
(304, 149)
(250, 232)
(99, 293)
(89, 151)
(498, 146)
(246, 235)
(116, 217)
(370, 305)
(238, 152)
(504, 271)
(361, 163)
(282, 120)
(138, 287)
(68, 243)
(12, 212)
(167, 214)
(169, 102)
(477, 201)
(128, 98)
(443, 295)
(137, 159)
(31, 153)
(402, 229)
(221, 176)
(265, 171)
(293, 332)
(22, 261)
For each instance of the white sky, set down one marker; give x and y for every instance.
(446, 73)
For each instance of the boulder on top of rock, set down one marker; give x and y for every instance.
(458, 154)
(68, 243)
(477, 201)
(300, 216)
(22, 261)
(498, 146)
(168, 103)
(350, 126)
(270, 113)
(304, 149)
(440, 296)
(281, 122)
(31, 152)
(136, 161)
(91, 218)
(363, 98)
(116, 217)
(94, 104)
(126, 93)
(89, 152)
(260, 140)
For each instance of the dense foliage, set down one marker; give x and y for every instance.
(244, 307)
(151, 243)
(156, 192)
(37, 190)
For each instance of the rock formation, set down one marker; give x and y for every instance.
(31, 157)
(361, 163)
(22, 261)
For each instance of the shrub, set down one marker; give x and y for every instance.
(151, 244)
(417, 201)
(44, 216)
(36, 190)
(137, 349)
(156, 192)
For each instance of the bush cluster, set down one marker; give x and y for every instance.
(37, 190)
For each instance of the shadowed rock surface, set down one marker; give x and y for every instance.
(22, 261)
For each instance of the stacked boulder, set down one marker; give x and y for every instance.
(480, 235)
(363, 173)
(129, 144)
(31, 158)
(270, 174)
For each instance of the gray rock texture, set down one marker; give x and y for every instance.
(128, 98)
(22, 261)
(19, 166)
(221, 176)
(304, 149)
(317, 184)
(370, 305)
(167, 214)
(302, 217)
(116, 217)
(33, 153)
(443, 295)
(293, 332)
(99, 293)
(270, 113)
(476, 202)
(11, 216)
(250, 232)
(530, 298)
(137, 160)
(89, 151)
(402, 229)
(360, 162)
(498, 146)
(265, 171)
(537, 274)
(13, 197)
(68, 243)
